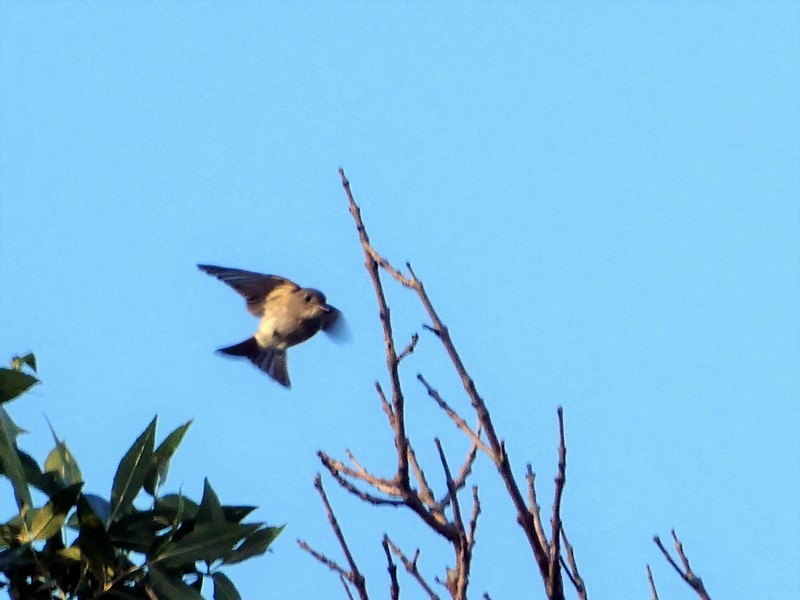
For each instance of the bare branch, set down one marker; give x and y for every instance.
(387, 408)
(555, 519)
(457, 419)
(466, 470)
(354, 576)
(355, 462)
(495, 449)
(392, 568)
(386, 266)
(392, 362)
(571, 568)
(686, 573)
(484, 438)
(534, 508)
(565, 566)
(653, 592)
(425, 491)
(410, 348)
(411, 567)
(337, 467)
(450, 487)
(346, 587)
(328, 562)
(473, 520)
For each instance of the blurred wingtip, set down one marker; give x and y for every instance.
(339, 331)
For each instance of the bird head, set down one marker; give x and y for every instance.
(312, 303)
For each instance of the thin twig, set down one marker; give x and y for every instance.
(354, 576)
(410, 348)
(372, 260)
(328, 562)
(337, 468)
(495, 449)
(387, 408)
(346, 587)
(534, 508)
(485, 439)
(387, 266)
(394, 587)
(457, 419)
(555, 519)
(411, 567)
(466, 469)
(425, 491)
(686, 573)
(450, 486)
(571, 568)
(458, 577)
(356, 463)
(473, 520)
(651, 581)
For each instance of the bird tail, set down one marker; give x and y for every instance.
(270, 360)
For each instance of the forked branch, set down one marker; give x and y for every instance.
(353, 575)
(421, 499)
(686, 572)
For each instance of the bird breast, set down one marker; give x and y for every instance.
(281, 326)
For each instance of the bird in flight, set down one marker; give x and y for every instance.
(289, 315)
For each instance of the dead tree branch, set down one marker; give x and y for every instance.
(542, 548)
(353, 576)
(653, 592)
(686, 573)
(394, 587)
(397, 490)
(571, 568)
(560, 481)
(411, 567)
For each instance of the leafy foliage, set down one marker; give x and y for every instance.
(84, 546)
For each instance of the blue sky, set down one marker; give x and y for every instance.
(602, 199)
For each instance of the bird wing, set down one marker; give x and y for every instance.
(334, 324)
(255, 287)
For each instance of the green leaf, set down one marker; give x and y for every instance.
(224, 588)
(11, 532)
(178, 511)
(12, 465)
(48, 483)
(132, 471)
(136, 530)
(161, 458)
(19, 361)
(99, 506)
(237, 513)
(94, 541)
(61, 462)
(176, 507)
(210, 510)
(45, 523)
(13, 559)
(207, 542)
(51, 517)
(13, 383)
(71, 554)
(169, 586)
(254, 544)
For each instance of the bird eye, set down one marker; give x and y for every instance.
(307, 298)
